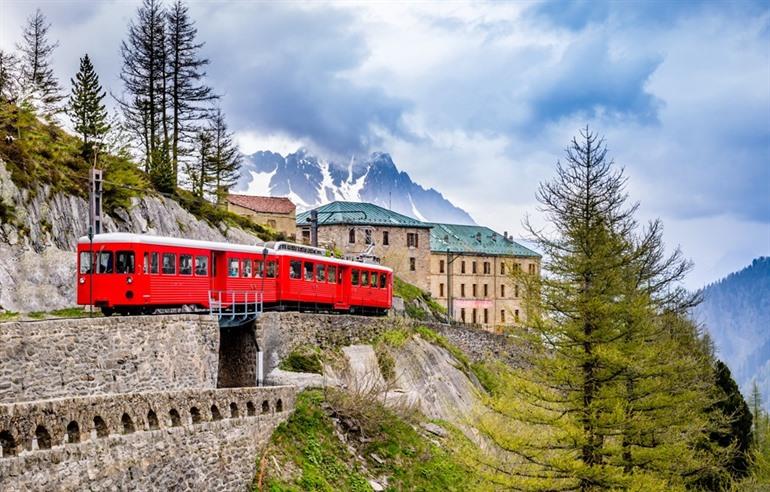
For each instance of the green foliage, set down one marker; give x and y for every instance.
(395, 337)
(8, 316)
(88, 114)
(488, 374)
(308, 440)
(436, 339)
(303, 359)
(385, 362)
(413, 296)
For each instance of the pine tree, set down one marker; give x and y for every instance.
(39, 86)
(199, 171)
(86, 109)
(225, 158)
(9, 76)
(189, 97)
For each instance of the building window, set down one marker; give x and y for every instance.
(486, 290)
(462, 266)
(502, 290)
(475, 318)
(474, 290)
(440, 266)
(517, 267)
(441, 290)
(352, 236)
(462, 315)
(486, 316)
(306, 235)
(368, 236)
(411, 240)
(502, 268)
(516, 315)
(531, 268)
(486, 268)
(516, 290)
(412, 264)
(473, 267)
(462, 290)
(502, 316)
(385, 238)
(271, 223)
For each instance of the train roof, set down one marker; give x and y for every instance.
(276, 249)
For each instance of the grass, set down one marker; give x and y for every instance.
(8, 316)
(70, 312)
(395, 337)
(436, 339)
(308, 443)
(303, 359)
(413, 296)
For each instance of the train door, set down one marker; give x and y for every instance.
(218, 271)
(342, 297)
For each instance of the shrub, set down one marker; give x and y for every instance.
(303, 359)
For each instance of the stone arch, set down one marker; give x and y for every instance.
(176, 420)
(128, 424)
(101, 427)
(265, 406)
(73, 432)
(43, 437)
(8, 445)
(215, 414)
(152, 420)
(279, 405)
(250, 409)
(234, 414)
(195, 415)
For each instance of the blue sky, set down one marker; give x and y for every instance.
(479, 99)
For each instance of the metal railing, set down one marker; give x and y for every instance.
(232, 307)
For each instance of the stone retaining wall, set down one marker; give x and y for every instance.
(203, 440)
(68, 357)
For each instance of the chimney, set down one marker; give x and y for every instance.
(505, 235)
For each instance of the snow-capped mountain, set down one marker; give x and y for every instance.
(309, 181)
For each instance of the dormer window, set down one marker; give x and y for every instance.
(352, 236)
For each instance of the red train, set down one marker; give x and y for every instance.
(139, 274)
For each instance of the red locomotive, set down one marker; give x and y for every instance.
(139, 274)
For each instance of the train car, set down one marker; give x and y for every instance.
(135, 273)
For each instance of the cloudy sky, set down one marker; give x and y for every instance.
(478, 100)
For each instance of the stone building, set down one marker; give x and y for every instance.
(278, 213)
(470, 268)
(401, 242)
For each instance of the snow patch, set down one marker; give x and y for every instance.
(416, 212)
(260, 183)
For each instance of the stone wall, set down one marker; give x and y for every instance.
(140, 441)
(64, 358)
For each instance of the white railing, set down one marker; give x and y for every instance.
(235, 306)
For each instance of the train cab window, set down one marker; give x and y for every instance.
(308, 271)
(295, 269)
(169, 263)
(185, 265)
(258, 269)
(124, 261)
(354, 277)
(153, 262)
(105, 262)
(320, 273)
(245, 268)
(272, 269)
(232, 270)
(85, 262)
(383, 281)
(202, 265)
(331, 274)
(364, 279)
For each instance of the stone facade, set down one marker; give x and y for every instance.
(410, 263)
(483, 290)
(285, 223)
(64, 358)
(193, 439)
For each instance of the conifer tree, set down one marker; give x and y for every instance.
(189, 97)
(9, 77)
(88, 113)
(39, 86)
(199, 171)
(225, 158)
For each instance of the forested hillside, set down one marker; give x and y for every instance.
(736, 313)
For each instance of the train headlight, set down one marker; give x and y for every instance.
(129, 280)
(82, 280)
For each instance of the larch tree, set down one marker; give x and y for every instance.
(39, 86)
(225, 158)
(86, 109)
(199, 170)
(9, 76)
(189, 97)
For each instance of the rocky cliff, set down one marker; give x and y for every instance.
(39, 230)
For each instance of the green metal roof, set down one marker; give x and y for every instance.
(355, 213)
(474, 239)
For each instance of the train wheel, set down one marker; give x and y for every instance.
(107, 312)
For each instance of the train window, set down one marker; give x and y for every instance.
(272, 269)
(146, 262)
(354, 277)
(383, 281)
(320, 273)
(331, 274)
(105, 262)
(202, 265)
(245, 268)
(185, 265)
(295, 269)
(124, 261)
(373, 280)
(233, 270)
(85, 262)
(153, 262)
(364, 279)
(308, 271)
(169, 263)
(258, 268)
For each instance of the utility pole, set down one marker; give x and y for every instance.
(313, 228)
(450, 258)
(95, 199)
